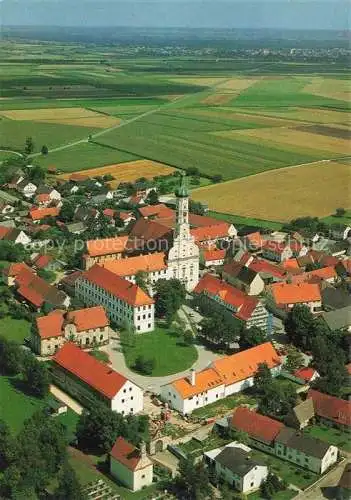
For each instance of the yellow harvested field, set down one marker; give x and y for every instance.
(97, 121)
(236, 85)
(214, 99)
(48, 113)
(313, 115)
(242, 117)
(292, 137)
(281, 195)
(329, 87)
(80, 117)
(126, 172)
(198, 80)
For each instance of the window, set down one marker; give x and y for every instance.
(251, 484)
(130, 388)
(143, 476)
(124, 390)
(132, 397)
(123, 400)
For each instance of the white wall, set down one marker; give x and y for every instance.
(254, 478)
(129, 399)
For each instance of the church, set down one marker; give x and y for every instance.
(183, 256)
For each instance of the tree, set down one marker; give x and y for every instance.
(188, 337)
(7, 445)
(36, 376)
(277, 399)
(271, 486)
(47, 275)
(44, 150)
(29, 146)
(298, 326)
(36, 174)
(217, 178)
(152, 197)
(340, 212)
(169, 296)
(335, 379)
(192, 481)
(68, 487)
(11, 357)
(193, 171)
(141, 280)
(67, 211)
(195, 207)
(144, 365)
(250, 337)
(262, 378)
(294, 359)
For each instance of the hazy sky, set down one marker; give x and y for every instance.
(302, 14)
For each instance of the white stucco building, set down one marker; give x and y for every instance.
(130, 465)
(85, 378)
(124, 302)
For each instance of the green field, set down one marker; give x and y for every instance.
(15, 406)
(165, 347)
(14, 329)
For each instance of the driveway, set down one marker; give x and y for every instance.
(153, 384)
(65, 398)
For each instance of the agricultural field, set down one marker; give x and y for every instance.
(127, 172)
(283, 195)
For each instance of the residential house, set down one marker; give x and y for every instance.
(270, 273)
(26, 188)
(278, 251)
(14, 235)
(126, 217)
(335, 298)
(313, 454)
(209, 236)
(340, 231)
(225, 376)
(53, 194)
(330, 410)
(38, 292)
(154, 266)
(68, 282)
(307, 374)
(159, 211)
(340, 319)
(98, 251)
(130, 465)
(124, 302)
(37, 214)
(301, 415)
(85, 327)
(87, 379)
(11, 272)
(6, 208)
(323, 275)
(234, 465)
(149, 236)
(213, 257)
(288, 444)
(250, 310)
(287, 295)
(243, 277)
(253, 241)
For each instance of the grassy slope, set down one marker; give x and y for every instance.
(166, 348)
(14, 329)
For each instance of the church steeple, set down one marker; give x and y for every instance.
(182, 223)
(182, 190)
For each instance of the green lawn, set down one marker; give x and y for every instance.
(330, 435)
(166, 347)
(84, 156)
(281, 495)
(290, 472)
(100, 355)
(223, 405)
(15, 406)
(247, 221)
(69, 420)
(14, 329)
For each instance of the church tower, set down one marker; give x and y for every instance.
(183, 257)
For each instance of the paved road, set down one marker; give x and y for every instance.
(153, 384)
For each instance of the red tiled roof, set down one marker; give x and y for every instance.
(290, 293)
(130, 266)
(117, 286)
(316, 276)
(4, 231)
(145, 230)
(275, 246)
(257, 426)
(216, 254)
(331, 408)
(323, 258)
(42, 261)
(210, 232)
(290, 264)
(244, 304)
(305, 373)
(125, 453)
(37, 291)
(17, 268)
(88, 369)
(41, 213)
(262, 266)
(107, 246)
(78, 178)
(160, 211)
(42, 197)
(89, 318)
(31, 295)
(255, 239)
(204, 380)
(50, 325)
(109, 212)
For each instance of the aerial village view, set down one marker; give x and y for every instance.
(175, 258)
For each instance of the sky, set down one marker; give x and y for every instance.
(283, 14)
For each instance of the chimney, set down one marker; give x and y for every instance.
(192, 377)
